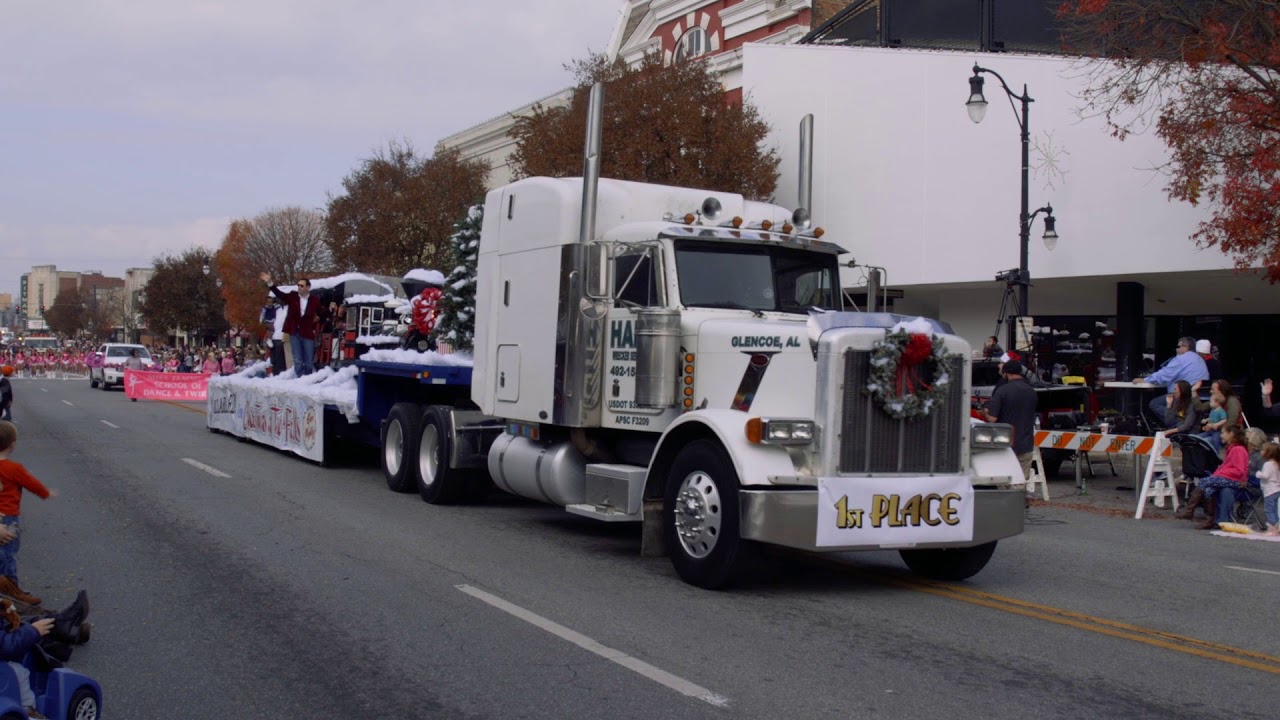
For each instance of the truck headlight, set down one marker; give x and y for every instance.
(780, 431)
(991, 435)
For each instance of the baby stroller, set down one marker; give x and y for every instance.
(1199, 458)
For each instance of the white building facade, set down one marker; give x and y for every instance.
(906, 181)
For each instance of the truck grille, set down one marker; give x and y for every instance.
(873, 442)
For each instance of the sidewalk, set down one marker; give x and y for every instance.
(1103, 495)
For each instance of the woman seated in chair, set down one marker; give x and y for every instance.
(1231, 475)
(1181, 414)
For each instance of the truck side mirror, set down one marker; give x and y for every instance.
(599, 282)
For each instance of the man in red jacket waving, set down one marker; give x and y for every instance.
(305, 311)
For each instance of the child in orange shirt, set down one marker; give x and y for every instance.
(14, 478)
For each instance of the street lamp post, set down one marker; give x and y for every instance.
(977, 108)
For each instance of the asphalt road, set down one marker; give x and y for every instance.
(289, 590)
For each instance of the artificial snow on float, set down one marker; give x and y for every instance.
(325, 386)
(413, 357)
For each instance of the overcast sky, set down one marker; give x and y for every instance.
(132, 128)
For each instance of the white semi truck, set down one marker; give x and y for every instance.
(681, 358)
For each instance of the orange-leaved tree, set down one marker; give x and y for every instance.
(1206, 76)
(665, 124)
(241, 289)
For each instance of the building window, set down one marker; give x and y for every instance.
(694, 43)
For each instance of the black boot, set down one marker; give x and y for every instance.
(69, 625)
(1188, 511)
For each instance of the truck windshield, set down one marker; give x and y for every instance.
(756, 277)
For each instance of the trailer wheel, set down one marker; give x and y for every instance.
(700, 517)
(400, 445)
(949, 564)
(438, 483)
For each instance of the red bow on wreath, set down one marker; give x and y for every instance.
(918, 349)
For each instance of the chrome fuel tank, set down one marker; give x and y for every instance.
(553, 473)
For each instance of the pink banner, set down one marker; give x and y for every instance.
(183, 387)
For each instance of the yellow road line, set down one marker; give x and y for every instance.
(1080, 621)
(184, 407)
(1126, 627)
(1227, 654)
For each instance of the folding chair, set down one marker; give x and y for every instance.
(1247, 506)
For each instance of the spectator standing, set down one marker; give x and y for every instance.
(1269, 480)
(210, 365)
(6, 393)
(305, 311)
(1205, 350)
(228, 362)
(14, 478)
(1014, 403)
(992, 349)
(1185, 365)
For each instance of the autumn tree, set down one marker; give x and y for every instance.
(67, 316)
(180, 295)
(103, 308)
(242, 291)
(669, 125)
(397, 209)
(1206, 76)
(288, 242)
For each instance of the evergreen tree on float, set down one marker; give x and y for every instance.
(456, 324)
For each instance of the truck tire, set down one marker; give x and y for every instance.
(93, 384)
(950, 564)
(400, 435)
(700, 517)
(438, 483)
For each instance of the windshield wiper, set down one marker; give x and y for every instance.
(731, 305)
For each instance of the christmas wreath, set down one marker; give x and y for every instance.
(908, 376)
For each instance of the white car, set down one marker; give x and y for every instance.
(111, 370)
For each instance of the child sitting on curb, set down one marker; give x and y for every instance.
(14, 478)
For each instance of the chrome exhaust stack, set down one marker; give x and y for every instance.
(804, 213)
(579, 355)
(591, 164)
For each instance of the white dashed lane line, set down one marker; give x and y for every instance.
(657, 675)
(109, 424)
(207, 468)
(69, 403)
(1252, 570)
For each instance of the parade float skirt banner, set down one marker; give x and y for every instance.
(894, 511)
(287, 421)
(180, 387)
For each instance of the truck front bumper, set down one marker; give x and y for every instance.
(790, 518)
